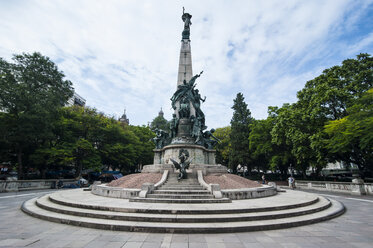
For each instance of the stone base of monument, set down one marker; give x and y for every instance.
(193, 168)
(283, 210)
(193, 189)
(198, 154)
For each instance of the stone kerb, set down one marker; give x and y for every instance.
(368, 188)
(145, 189)
(237, 194)
(114, 192)
(213, 188)
(23, 185)
(358, 188)
(163, 179)
(126, 193)
(249, 193)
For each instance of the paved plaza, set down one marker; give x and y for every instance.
(353, 229)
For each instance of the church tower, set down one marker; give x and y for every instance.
(123, 119)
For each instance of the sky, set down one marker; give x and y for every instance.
(124, 54)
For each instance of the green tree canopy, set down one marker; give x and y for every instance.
(327, 97)
(223, 148)
(351, 137)
(241, 120)
(161, 123)
(260, 143)
(145, 154)
(87, 139)
(32, 89)
(290, 132)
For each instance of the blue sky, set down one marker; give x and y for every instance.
(124, 54)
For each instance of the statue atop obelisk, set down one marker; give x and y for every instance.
(186, 100)
(185, 61)
(187, 127)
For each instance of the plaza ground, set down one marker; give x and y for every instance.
(352, 229)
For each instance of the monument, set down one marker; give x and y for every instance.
(184, 191)
(188, 130)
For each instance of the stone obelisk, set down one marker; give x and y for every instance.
(185, 62)
(185, 73)
(188, 132)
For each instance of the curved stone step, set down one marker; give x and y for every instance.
(77, 198)
(181, 184)
(181, 188)
(176, 200)
(182, 181)
(44, 203)
(32, 209)
(180, 196)
(181, 191)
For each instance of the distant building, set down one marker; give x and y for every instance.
(76, 100)
(124, 118)
(339, 168)
(336, 168)
(161, 114)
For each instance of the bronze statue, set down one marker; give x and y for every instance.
(209, 139)
(173, 125)
(186, 19)
(161, 139)
(181, 91)
(157, 139)
(196, 129)
(193, 80)
(185, 90)
(184, 163)
(184, 110)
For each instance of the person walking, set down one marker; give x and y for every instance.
(291, 182)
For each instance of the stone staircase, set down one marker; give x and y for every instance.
(180, 191)
(284, 210)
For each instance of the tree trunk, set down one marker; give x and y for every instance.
(20, 165)
(304, 174)
(43, 174)
(79, 167)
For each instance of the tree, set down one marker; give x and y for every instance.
(327, 98)
(223, 147)
(260, 143)
(300, 126)
(145, 148)
(289, 133)
(117, 145)
(161, 123)
(351, 137)
(32, 89)
(240, 131)
(87, 139)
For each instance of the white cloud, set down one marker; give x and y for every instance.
(124, 54)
